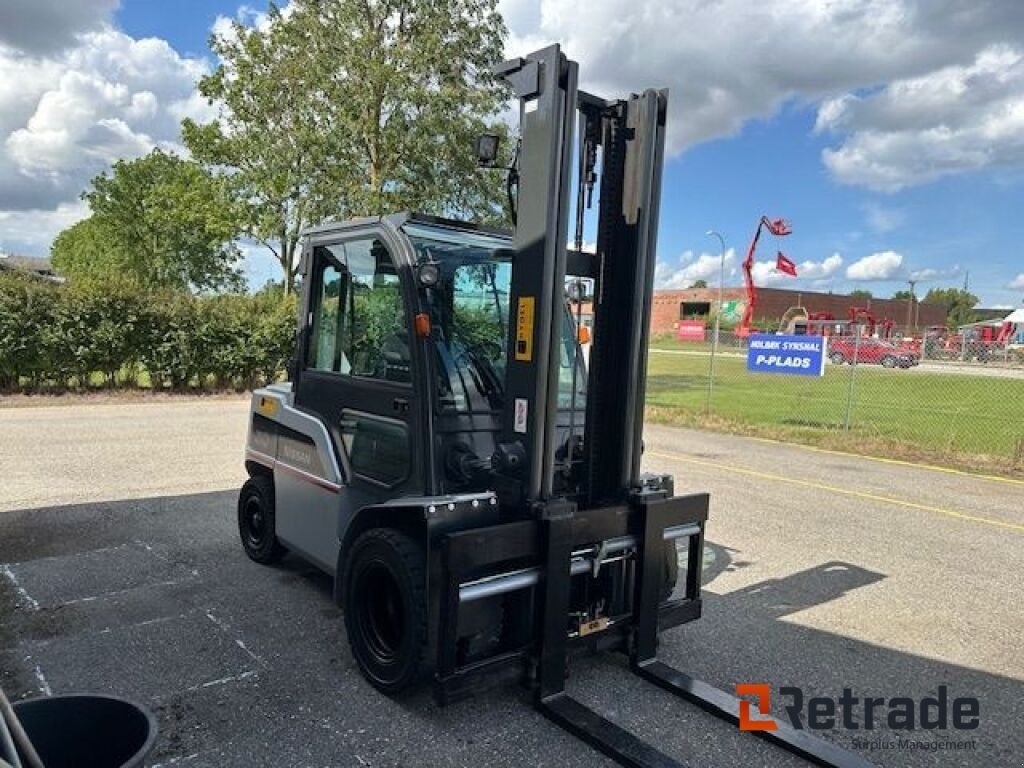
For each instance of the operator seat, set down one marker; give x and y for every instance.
(396, 358)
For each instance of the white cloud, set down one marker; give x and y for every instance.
(690, 268)
(247, 16)
(764, 272)
(884, 265)
(66, 116)
(882, 219)
(929, 273)
(728, 61)
(195, 105)
(821, 270)
(962, 117)
(31, 232)
(45, 26)
(1017, 284)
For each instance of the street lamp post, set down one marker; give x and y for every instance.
(910, 307)
(718, 317)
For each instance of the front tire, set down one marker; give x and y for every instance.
(386, 609)
(888, 361)
(837, 358)
(257, 522)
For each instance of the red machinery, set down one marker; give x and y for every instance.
(821, 324)
(798, 321)
(779, 228)
(1005, 332)
(864, 316)
(976, 341)
(981, 341)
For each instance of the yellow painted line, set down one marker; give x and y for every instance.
(841, 491)
(897, 462)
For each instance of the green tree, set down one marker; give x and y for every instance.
(901, 296)
(28, 309)
(861, 294)
(699, 284)
(959, 304)
(157, 222)
(348, 107)
(87, 254)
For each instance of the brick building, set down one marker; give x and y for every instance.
(698, 303)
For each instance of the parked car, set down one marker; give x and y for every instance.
(848, 349)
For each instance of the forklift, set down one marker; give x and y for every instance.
(445, 455)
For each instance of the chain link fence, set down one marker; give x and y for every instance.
(918, 400)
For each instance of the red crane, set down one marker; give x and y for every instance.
(779, 228)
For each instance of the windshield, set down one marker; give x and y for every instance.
(469, 311)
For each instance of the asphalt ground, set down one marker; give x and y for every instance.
(120, 571)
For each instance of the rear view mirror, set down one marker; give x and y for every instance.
(578, 290)
(487, 150)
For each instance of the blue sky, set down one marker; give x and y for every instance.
(969, 223)
(186, 25)
(889, 132)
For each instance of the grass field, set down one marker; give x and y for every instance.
(961, 419)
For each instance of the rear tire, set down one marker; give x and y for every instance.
(837, 358)
(257, 522)
(386, 609)
(888, 361)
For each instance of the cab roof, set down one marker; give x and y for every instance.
(399, 219)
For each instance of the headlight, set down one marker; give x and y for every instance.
(428, 274)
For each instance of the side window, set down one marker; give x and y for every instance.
(359, 326)
(324, 348)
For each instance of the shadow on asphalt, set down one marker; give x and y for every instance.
(154, 600)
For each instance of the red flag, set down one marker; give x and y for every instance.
(782, 264)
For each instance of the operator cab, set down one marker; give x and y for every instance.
(405, 333)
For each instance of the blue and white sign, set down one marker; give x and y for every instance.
(797, 355)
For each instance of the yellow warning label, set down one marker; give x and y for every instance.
(267, 406)
(524, 329)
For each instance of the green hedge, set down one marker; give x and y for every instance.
(56, 337)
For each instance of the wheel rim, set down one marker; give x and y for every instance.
(255, 522)
(381, 617)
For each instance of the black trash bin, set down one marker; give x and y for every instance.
(87, 729)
